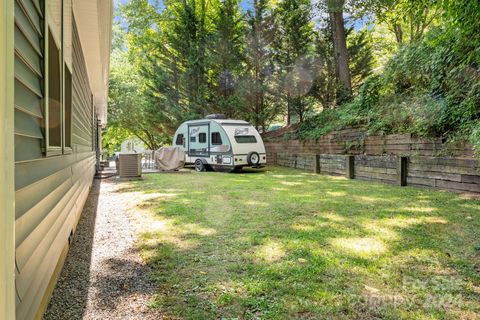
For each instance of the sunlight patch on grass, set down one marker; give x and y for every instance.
(332, 217)
(435, 220)
(419, 209)
(335, 178)
(303, 227)
(194, 228)
(291, 183)
(256, 203)
(370, 199)
(336, 193)
(270, 251)
(164, 230)
(401, 222)
(381, 231)
(363, 247)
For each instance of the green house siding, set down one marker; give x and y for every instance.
(29, 93)
(49, 191)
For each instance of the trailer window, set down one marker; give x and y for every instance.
(246, 139)
(202, 137)
(216, 138)
(179, 140)
(193, 139)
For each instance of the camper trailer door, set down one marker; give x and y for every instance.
(198, 140)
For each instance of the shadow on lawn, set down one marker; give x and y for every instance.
(285, 244)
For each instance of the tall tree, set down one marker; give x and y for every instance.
(227, 56)
(293, 46)
(335, 10)
(259, 107)
(361, 60)
(188, 30)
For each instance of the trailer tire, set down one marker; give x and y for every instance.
(200, 166)
(253, 158)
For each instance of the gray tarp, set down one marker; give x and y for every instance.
(169, 158)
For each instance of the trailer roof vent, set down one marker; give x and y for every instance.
(216, 116)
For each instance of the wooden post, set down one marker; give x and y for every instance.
(274, 158)
(350, 167)
(402, 171)
(316, 168)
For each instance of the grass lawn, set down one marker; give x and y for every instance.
(284, 244)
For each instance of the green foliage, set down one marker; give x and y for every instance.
(475, 138)
(293, 48)
(227, 56)
(433, 67)
(464, 16)
(425, 89)
(129, 109)
(414, 66)
(360, 53)
(260, 107)
(113, 137)
(408, 20)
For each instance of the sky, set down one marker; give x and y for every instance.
(246, 4)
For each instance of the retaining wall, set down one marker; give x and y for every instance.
(394, 159)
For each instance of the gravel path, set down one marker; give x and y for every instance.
(104, 276)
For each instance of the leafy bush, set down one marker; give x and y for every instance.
(426, 89)
(475, 138)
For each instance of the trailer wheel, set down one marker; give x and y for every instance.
(253, 158)
(200, 166)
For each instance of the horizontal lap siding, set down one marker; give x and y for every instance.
(50, 191)
(29, 73)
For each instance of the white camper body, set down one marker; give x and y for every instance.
(221, 144)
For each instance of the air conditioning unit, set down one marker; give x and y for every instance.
(130, 165)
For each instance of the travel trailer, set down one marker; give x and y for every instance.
(220, 144)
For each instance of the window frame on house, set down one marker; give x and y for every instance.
(67, 110)
(58, 142)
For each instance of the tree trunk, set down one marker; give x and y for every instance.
(397, 29)
(289, 110)
(341, 55)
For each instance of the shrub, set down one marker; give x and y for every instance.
(426, 89)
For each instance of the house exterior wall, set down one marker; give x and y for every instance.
(50, 184)
(7, 214)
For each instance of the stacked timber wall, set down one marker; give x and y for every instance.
(393, 159)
